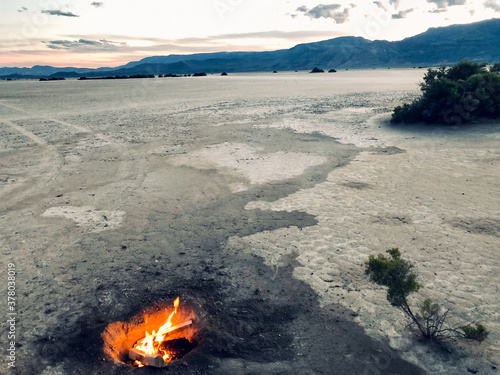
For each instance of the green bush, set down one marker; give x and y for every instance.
(478, 333)
(395, 273)
(400, 278)
(452, 95)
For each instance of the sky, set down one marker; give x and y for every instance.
(87, 33)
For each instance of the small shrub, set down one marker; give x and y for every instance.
(400, 278)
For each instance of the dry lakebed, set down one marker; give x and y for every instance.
(256, 198)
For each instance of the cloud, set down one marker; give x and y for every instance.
(402, 13)
(379, 4)
(23, 9)
(326, 11)
(85, 45)
(492, 4)
(342, 17)
(59, 13)
(443, 4)
(274, 34)
(395, 3)
(97, 4)
(213, 39)
(212, 43)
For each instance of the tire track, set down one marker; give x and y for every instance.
(34, 116)
(49, 167)
(129, 173)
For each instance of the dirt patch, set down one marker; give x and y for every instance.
(356, 185)
(93, 220)
(389, 150)
(489, 226)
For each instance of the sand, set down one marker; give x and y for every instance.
(257, 198)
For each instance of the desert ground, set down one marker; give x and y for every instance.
(256, 198)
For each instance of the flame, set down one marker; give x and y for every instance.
(142, 330)
(150, 344)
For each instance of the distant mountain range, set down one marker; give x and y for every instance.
(478, 41)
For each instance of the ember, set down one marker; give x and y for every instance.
(153, 338)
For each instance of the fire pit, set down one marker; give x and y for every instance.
(155, 337)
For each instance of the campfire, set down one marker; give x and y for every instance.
(155, 337)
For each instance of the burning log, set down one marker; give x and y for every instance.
(144, 359)
(176, 349)
(171, 349)
(178, 326)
